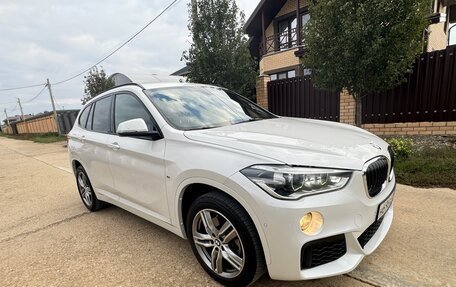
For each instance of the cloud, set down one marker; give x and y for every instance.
(57, 39)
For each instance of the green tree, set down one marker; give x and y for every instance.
(219, 53)
(363, 46)
(96, 82)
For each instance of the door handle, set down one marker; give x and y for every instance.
(114, 146)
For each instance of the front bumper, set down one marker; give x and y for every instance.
(348, 212)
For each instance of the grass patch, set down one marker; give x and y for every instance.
(38, 138)
(427, 167)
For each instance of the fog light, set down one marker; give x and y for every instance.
(311, 223)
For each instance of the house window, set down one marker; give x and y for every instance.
(304, 19)
(283, 75)
(288, 34)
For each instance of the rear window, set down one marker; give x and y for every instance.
(84, 116)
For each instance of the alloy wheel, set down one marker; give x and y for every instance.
(218, 243)
(85, 189)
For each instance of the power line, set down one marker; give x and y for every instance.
(121, 46)
(20, 88)
(35, 97)
(26, 101)
(7, 103)
(104, 58)
(12, 110)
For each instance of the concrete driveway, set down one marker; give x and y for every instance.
(47, 238)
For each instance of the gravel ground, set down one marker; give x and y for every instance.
(47, 238)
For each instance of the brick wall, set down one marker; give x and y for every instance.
(437, 37)
(262, 90)
(278, 60)
(347, 108)
(423, 128)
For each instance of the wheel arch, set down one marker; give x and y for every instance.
(192, 188)
(75, 164)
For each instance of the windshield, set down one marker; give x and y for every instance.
(199, 107)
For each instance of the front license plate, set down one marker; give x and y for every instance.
(384, 206)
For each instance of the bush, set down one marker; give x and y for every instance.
(428, 168)
(402, 147)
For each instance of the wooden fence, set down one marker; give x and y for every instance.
(44, 123)
(297, 97)
(39, 125)
(429, 95)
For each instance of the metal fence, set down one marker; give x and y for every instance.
(297, 97)
(428, 95)
(66, 120)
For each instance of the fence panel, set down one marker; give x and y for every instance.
(429, 94)
(45, 123)
(66, 120)
(297, 97)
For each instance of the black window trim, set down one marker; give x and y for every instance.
(92, 108)
(113, 114)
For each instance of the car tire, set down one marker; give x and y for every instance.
(86, 192)
(224, 239)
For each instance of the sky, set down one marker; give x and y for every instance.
(57, 39)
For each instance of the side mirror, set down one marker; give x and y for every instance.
(136, 128)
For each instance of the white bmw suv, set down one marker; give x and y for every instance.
(252, 192)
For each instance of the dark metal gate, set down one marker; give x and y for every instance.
(297, 97)
(429, 94)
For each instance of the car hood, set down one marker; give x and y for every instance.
(295, 141)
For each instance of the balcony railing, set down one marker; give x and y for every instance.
(279, 42)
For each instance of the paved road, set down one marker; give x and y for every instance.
(47, 238)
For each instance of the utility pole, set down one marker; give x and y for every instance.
(48, 84)
(7, 120)
(23, 118)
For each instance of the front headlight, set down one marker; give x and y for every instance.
(288, 182)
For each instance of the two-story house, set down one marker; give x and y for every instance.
(276, 40)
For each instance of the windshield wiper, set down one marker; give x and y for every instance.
(203, 128)
(247, 120)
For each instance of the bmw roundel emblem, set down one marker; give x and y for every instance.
(375, 145)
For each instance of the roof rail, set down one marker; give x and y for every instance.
(121, 79)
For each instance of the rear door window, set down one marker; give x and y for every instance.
(102, 115)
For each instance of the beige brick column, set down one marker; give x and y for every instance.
(262, 90)
(347, 108)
